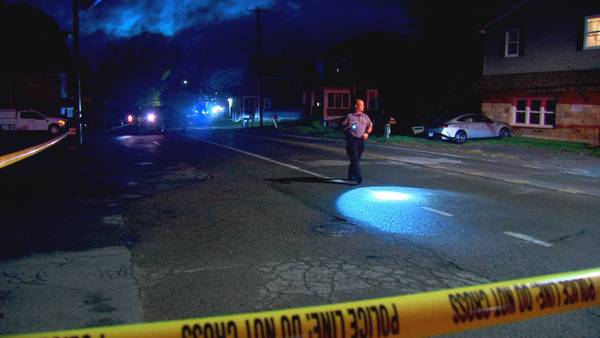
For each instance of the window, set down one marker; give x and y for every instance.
(535, 112)
(591, 37)
(267, 103)
(511, 43)
(372, 99)
(338, 100)
(31, 115)
(468, 118)
(485, 119)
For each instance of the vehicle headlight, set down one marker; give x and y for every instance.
(129, 118)
(61, 123)
(217, 109)
(151, 117)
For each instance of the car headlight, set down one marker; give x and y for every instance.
(61, 123)
(151, 117)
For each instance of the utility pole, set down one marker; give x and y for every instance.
(258, 11)
(77, 113)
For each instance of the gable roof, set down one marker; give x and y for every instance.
(514, 8)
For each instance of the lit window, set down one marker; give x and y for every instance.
(591, 36)
(535, 112)
(511, 43)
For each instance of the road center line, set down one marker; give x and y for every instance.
(437, 211)
(156, 143)
(267, 159)
(527, 238)
(532, 166)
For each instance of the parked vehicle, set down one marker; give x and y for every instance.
(29, 120)
(150, 122)
(467, 126)
(431, 128)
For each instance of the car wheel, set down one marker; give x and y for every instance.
(504, 133)
(54, 129)
(460, 137)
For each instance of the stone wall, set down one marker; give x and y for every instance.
(574, 122)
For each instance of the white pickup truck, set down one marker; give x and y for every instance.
(29, 120)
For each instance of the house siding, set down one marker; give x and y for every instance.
(551, 64)
(550, 33)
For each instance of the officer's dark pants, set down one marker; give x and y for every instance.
(354, 149)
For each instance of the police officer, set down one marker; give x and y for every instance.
(358, 127)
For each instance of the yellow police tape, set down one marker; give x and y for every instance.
(425, 314)
(8, 159)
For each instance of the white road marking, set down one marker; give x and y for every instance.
(293, 167)
(370, 145)
(113, 220)
(422, 151)
(527, 238)
(145, 163)
(324, 163)
(425, 160)
(156, 143)
(337, 180)
(532, 166)
(581, 172)
(517, 181)
(569, 190)
(438, 211)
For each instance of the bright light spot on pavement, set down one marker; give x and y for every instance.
(397, 209)
(390, 195)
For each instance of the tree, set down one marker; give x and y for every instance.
(34, 40)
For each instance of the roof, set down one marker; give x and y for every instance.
(514, 8)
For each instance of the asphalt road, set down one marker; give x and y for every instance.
(136, 228)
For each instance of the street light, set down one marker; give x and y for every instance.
(230, 104)
(185, 82)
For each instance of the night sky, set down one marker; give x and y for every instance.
(140, 45)
(227, 27)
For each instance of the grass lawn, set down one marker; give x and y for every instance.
(316, 129)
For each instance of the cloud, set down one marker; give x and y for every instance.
(123, 19)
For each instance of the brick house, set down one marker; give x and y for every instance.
(332, 103)
(345, 73)
(541, 70)
(46, 92)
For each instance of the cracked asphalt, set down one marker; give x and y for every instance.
(160, 227)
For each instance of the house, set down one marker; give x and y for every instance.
(541, 70)
(332, 103)
(282, 78)
(345, 73)
(46, 92)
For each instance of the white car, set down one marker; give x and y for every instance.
(30, 120)
(469, 126)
